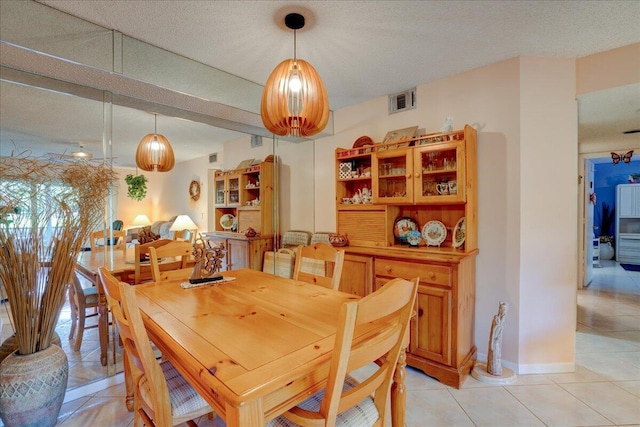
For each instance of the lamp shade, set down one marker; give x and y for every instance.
(183, 222)
(154, 153)
(141, 221)
(294, 100)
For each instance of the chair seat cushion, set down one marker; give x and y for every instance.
(184, 399)
(363, 414)
(90, 295)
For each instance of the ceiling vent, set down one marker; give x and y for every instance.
(256, 141)
(402, 101)
(213, 158)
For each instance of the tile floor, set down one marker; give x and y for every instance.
(603, 391)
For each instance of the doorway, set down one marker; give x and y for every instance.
(601, 174)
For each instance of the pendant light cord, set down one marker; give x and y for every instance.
(294, 45)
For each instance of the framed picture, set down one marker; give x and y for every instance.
(400, 134)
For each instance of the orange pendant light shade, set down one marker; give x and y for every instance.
(154, 153)
(294, 100)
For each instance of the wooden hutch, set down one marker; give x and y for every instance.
(243, 198)
(430, 178)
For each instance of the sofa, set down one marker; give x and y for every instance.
(160, 228)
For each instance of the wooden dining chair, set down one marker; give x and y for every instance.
(319, 264)
(162, 397)
(98, 240)
(142, 271)
(173, 250)
(80, 301)
(385, 315)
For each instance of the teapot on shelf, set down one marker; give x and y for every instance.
(362, 196)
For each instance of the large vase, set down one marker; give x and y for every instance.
(606, 251)
(11, 344)
(32, 387)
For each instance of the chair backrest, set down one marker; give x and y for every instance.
(117, 224)
(320, 237)
(136, 342)
(384, 315)
(142, 272)
(295, 238)
(170, 250)
(182, 235)
(120, 237)
(320, 264)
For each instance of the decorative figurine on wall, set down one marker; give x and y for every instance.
(625, 158)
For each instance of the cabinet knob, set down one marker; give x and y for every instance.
(432, 275)
(408, 175)
(417, 174)
(387, 269)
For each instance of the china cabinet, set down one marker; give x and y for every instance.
(242, 199)
(429, 180)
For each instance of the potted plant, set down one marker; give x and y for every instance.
(633, 178)
(48, 211)
(137, 186)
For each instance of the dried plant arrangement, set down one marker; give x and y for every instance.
(47, 210)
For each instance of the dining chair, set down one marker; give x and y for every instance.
(345, 401)
(173, 249)
(80, 300)
(97, 240)
(162, 397)
(319, 264)
(142, 271)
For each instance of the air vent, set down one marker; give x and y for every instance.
(256, 141)
(402, 101)
(213, 158)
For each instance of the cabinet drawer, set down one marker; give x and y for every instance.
(428, 273)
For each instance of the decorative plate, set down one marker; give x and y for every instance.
(413, 238)
(459, 233)
(227, 221)
(362, 141)
(194, 190)
(434, 232)
(402, 227)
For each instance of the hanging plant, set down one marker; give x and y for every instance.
(137, 186)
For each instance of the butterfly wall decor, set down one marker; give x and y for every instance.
(625, 158)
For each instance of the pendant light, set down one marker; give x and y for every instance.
(154, 152)
(294, 100)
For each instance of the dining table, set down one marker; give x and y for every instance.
(254, 344)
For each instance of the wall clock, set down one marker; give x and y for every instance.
(194, 190)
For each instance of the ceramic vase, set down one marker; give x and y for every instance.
(32, 387)
(11, 344)
(606, 251)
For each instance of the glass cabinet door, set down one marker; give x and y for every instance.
(233, 186)
(393, 171)
(219, 191)
(438, 170)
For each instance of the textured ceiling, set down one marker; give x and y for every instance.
(367, 49)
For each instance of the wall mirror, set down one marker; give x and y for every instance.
(42, 114)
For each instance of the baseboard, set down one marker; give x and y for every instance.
(93, 387)
(535, 368)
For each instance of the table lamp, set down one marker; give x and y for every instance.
(141, 221)
(184, 222)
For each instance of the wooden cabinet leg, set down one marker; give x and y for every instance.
(399, 392)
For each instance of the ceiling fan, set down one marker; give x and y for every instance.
(79, 154)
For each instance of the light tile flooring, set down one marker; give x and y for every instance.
(603, 391)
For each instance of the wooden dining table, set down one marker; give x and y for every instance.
(253, 346)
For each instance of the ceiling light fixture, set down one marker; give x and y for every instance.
(154, 152)
(82, 154)
(294, 100)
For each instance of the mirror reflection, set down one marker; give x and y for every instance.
(270, 197)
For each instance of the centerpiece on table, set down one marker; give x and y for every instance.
(47, 210)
